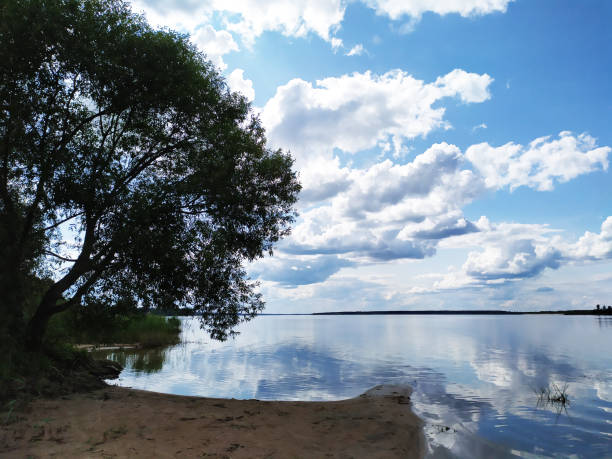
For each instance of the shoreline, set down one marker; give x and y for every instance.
(122, 422)
(466, 312)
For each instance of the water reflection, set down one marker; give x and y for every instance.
(475, 378)
(604, 321)
(140, 361)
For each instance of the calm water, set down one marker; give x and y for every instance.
(475, 377)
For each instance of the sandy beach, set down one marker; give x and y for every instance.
(121, 422)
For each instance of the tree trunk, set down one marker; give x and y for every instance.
(11, 306)
(35, 330)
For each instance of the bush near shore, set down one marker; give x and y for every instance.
(61, 368)
(103, 325)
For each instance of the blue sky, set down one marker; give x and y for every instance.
(454, 153)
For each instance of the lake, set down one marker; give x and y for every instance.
(477, 380)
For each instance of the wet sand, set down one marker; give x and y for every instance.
(121, 422)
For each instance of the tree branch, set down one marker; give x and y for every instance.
(48, 252)
(29, 220)
(140, 166)
(6, 198)
(55, 225)
(76, 298)
(69, 137)
(80, 267)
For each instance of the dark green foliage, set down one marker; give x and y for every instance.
(100, 324)
(131, 137)
(56, 371)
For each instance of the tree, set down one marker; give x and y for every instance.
(128, 169)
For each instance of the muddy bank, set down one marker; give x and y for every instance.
(121, 422)
(54, 376)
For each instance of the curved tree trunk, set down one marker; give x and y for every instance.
(37, 325)
(35, 329)
(12, 324)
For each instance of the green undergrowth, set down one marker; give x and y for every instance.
(54, 371)
(60, 368)
(104, 326)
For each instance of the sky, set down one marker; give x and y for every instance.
(454, 154)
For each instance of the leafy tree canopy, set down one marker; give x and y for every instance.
(128, 139)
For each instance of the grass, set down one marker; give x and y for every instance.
(555, 397)
(61, 368)
(106, 327)
(149, 331)
(9, 417)
(28, 374)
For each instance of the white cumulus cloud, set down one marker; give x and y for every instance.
(511, 260)
(182, 15)
(298, 18)
(237, 82)
(324, 178)
(356, 50)
(387, 184)
(500, 253)
(214, 43)
(592, 245)
(336, 43)
(294, 271)
(470, 87)
(415, 8)
(387, 211)
(355, 112)
(507, 252)
(541, 163)
(248, 18)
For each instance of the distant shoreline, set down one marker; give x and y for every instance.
(572, 312)
(475, 312)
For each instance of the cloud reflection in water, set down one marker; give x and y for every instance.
(476, 375)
